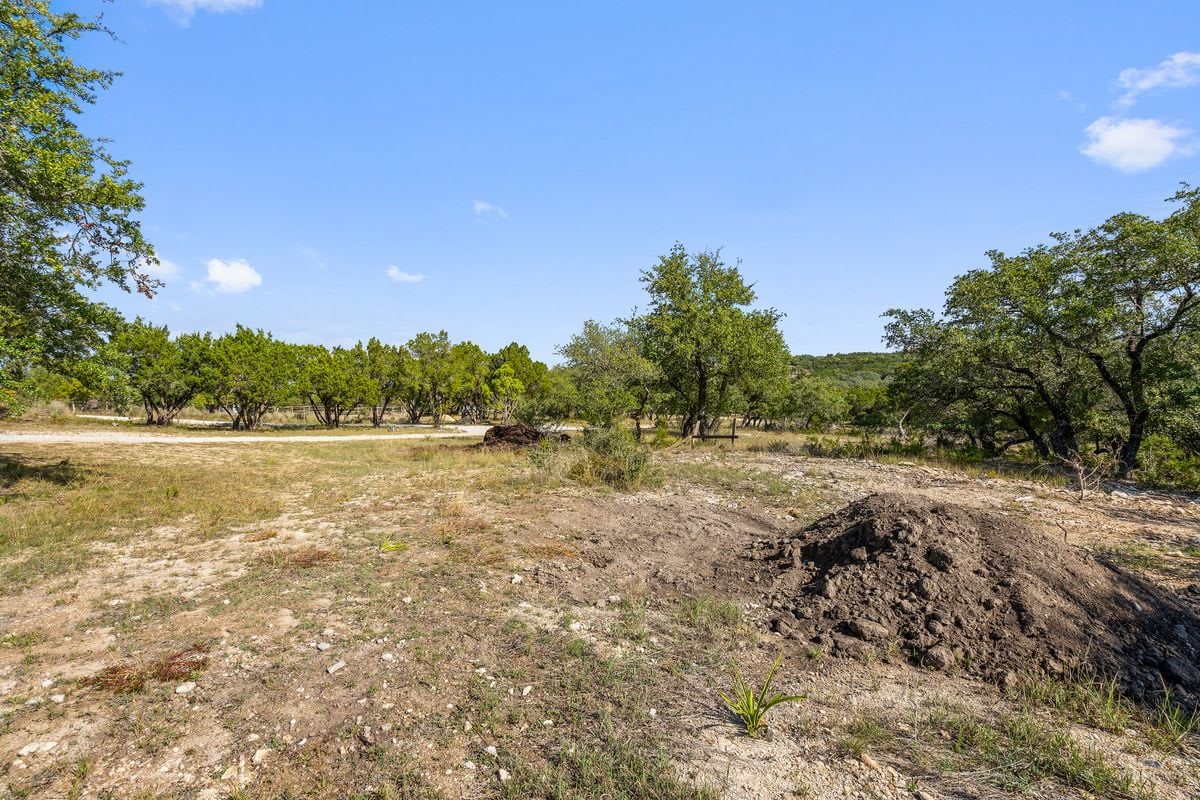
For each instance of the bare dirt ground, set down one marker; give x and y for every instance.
(424, 620)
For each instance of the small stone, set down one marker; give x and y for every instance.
(491, 750)
(58, 698)
(229, 774)
(869, 762)
(859, 554)
(503, 775)
(517, 579)
(940, 557)
(330, 632)
(323, 646)
(334, 667)
(654, 712)
(469, 765)
(924, 795)
(865, 629)
(185, 688)
(260, 755)
(939, 657)
(525, 692)
(387, 657)
(406, 600)
(549, 723)
(614, 598)
(575, 626)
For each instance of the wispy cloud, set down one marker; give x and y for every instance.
(313, 257)
(1133, 145)
(1177, 72)
(400, 276)
(484, 207)
(232, 277)
(184, 10)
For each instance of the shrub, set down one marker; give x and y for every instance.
(608, 456)
(612, 457)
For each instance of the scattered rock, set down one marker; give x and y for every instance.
(260, 755)
(983, 592)
(185, 688)
(335, 666)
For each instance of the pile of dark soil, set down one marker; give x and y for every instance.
(517, 435)
(957, 589)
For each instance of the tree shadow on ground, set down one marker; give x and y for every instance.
(15, 469)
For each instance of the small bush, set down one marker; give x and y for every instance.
(614, 458)
(608, 456)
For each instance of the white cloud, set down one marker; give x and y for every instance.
(163, 270)
(232, 277)
(1133, 145)
(400, 276)
(484, 207)
(183, 10)
(1177, 72)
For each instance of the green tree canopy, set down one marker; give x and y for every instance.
(703, 337)
(67, 207)
(249, 371)
(166, 373)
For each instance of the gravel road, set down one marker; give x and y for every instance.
(228, 437)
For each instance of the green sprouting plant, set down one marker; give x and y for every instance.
(1173, 724)
(750, 706)
(390, 546)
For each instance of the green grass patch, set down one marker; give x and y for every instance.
(1020, 753)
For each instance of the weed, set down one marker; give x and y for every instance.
(22, 641)
(1172, 725)
(1021, 752)
(751, 707)
(611, 768)
(130, 678)
(708, 616)
(390, 546)
(1093, 700)
(864, 734)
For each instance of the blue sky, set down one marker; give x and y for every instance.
(334, 171)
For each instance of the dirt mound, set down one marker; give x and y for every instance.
(517, 435)
(952, 588)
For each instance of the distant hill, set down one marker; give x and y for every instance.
(850, 369)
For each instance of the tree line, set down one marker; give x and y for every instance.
(248, 372)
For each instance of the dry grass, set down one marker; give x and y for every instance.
(135, 677)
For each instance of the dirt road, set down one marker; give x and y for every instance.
(229, 437)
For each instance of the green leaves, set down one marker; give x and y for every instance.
(67, 207)
(751, 707)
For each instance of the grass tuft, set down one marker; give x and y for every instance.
(130, 678)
